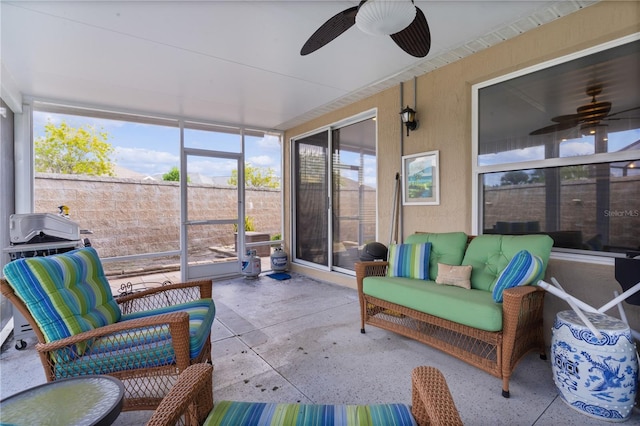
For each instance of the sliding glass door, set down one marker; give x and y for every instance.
(353, 191)
(335, 194)
(311, 162)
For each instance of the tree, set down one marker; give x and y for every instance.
(538, 176)
(516, 177)
(69, 150)
(256, 177)
(574, 172)
(172, 175)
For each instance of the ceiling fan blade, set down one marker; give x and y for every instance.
(555, 128)
(623, 111)
(416, 38)
(564, 118)
(331, 29)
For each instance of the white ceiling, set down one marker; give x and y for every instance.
(231, 61)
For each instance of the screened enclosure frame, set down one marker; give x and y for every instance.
(25, 172)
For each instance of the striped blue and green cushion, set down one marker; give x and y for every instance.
(141, 348)
(523, 268)
(409, 260)
(66, 293)
(201, 315)
(233, 413)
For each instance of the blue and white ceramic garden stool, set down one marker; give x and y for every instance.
(597, 377)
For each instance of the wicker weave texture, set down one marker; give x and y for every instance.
(497, 353)
(431, 400)
(191, 399)
(146, 379)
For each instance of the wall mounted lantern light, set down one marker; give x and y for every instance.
(409, 118)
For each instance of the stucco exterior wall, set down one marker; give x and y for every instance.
(445, 116)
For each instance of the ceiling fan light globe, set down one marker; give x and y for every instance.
(385, 17)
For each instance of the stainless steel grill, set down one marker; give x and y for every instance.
(38, 234)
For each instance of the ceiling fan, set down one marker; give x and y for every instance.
(588, 116)
(400, 19)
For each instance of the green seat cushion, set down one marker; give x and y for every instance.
(474, 308)
(65, 293)
(233, 413)
(446, 247)
(489, 255)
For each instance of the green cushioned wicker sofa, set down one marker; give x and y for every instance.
(466, 323)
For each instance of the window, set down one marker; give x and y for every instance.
(557, 151)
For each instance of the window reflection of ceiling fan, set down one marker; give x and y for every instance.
(588, 116)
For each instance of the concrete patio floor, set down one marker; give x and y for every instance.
(299, 340)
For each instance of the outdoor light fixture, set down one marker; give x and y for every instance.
(383, 17)
(409, 118)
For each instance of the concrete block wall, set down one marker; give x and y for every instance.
(577, 207)
(129, 216)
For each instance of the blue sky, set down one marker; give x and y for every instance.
(568, 148)
(152, 149)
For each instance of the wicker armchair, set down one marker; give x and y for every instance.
(158, 332)
(191, 400)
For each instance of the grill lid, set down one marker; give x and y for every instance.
(41, 227)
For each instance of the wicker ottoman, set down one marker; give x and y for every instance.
(191, 400)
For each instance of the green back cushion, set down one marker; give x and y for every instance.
(235, 413)
(489, 255)
(66, 293)
(446, 247)
(409, 260)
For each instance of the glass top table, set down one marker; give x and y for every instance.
(85, 400)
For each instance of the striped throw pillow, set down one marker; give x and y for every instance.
(524, 268)
(409, 260)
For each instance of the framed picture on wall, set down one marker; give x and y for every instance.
(421, 179)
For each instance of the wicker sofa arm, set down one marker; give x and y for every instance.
(175, 320)
(370, 269)
(431, 400)
(191, 396)
(522, 321)
(170, 294)
(520, 307)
